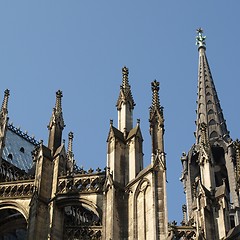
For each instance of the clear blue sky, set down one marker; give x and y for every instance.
(80, 47)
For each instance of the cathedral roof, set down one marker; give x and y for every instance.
(209, 110)
(18, 148)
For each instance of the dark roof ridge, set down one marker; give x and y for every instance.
(20, 133)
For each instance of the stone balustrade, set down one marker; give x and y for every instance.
(16, 189)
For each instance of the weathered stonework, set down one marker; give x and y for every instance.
(47, 196)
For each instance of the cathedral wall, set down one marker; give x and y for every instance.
(142, 209)
(132, 159)
(116, 160)
(135, 157)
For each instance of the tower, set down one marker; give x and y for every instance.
(209, 167)
(135, 197)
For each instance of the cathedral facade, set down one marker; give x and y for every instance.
(45, 195)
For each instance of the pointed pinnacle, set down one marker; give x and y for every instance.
(70, 142)
(57, 116)
(5, 100)
(59, 96)
(155, 95)
(125, 83)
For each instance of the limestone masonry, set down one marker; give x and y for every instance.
(45, 195)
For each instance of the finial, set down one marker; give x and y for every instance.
(125, 83)
(70, 141)
(138, 121)
(70, 155)
(155, 96)
(184, 211)
(200, 39)
(57, 116)
(111, 122)
(5, 101)
(59, 96)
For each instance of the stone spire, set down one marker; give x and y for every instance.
(156, 120)
(70, 155)
(56, 124)
(209, 110)
(155, 108)
(4, 108)
(125, 104)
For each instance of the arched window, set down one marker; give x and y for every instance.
(210, 111)
(212, 122)
(10, 156)
(213, 134)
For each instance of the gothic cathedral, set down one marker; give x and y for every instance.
(45, 195)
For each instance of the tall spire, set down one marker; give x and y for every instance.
(156, 120)
(56, 124)
(70, 155)
(209, 110)
(155, 100)
(4, 108)
(125, 103)
(125, 90)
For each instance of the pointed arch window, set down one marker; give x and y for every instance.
(10, 156)
(209, 102)
(212, 122)
(210, 111)
(213, 134)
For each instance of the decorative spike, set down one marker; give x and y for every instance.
(56, 124)
(58, 105)
(184, 211)
(70, 142)
(155, 96)
(57, 117)
(155, 99)
(70, 155)
(125, 103)
(125, 83)
(5, 101)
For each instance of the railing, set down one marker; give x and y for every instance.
(16, 189)
(84, 232)
(81, 183)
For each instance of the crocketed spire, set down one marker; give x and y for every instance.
(57, 116)
(4, 108)
(155, 107)
(70, 155)
(209, 110)
(56, 124)
(125, 91)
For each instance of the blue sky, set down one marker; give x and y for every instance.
(80, 47)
